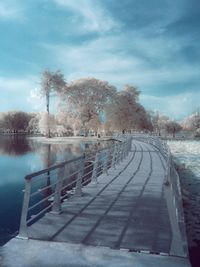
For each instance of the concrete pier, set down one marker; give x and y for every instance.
(131, 215)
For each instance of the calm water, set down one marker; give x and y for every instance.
(187, 157)
(18, 157)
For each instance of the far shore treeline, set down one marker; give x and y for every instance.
(89, 106)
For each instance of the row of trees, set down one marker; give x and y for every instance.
(89, 104)
(192, 123)
(163, 125)
(15, 121)
(62, 124)
(189, 126)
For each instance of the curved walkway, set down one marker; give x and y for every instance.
(126, 209)
(130, 210)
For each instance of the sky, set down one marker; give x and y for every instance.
(153, 45)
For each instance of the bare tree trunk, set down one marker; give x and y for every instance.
(47, 106)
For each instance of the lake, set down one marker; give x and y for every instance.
(20, 156)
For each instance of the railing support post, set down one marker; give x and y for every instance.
(78, 189)
(23, 231)
(114, 157)
(130, 144)
(122, 151)
(57, 197)
(118, 153)
(125, 149)
(95, 167)
(105, 163)
(168, 168)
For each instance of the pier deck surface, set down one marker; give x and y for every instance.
(126, 209)
(130, 210)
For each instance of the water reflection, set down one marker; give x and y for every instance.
(14, 145)
(18, 145)
(20, 156)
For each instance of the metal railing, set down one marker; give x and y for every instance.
(162, 147)
(45, 190)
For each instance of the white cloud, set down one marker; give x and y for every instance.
(13, 85)
(9, 10)
(104, 58)
(35, 100)
(132, 57)
(16, 92)
(93, 59)
(175, 106)
(94, 17)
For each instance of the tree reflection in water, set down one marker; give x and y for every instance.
(14, 145)
(21, 156)
(50, 154)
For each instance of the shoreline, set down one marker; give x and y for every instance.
(89, 138)
(69, 140)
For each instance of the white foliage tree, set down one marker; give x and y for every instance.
(51, 83)
(126, 113)
(33, 125)
(158, 121)
(85, 99)
(173, 127)
(191, 122)
(47, 124)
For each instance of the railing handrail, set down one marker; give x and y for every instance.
(163, 149)
(54, 167)
(153, 140)
(61, 164)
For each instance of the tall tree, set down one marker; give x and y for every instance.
(86, 98)
(51, 83)
(126, 113)
(173, 127)
(16, 121)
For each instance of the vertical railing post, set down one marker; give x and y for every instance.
(58, 190)
(114, 156)
(168, 168)
(118, 152)
(110, 156)
(23, 231)
(105, 162)
(128, 146)
(78, 189)
(122, 151)
(95, 167)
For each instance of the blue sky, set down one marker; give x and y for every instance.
(151, 44)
